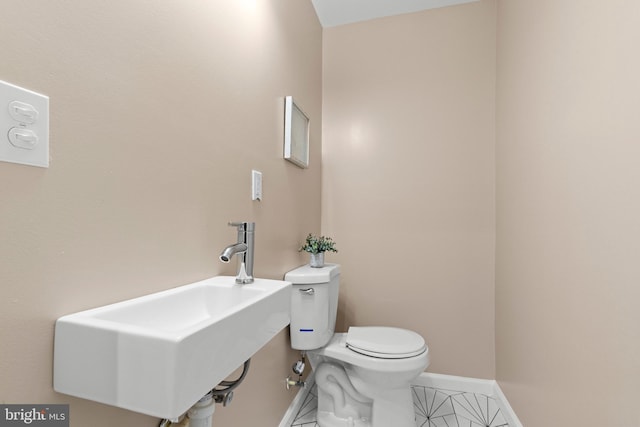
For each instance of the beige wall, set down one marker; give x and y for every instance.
(568, 209)
(159, 111)
(152, 147)
(408, 177)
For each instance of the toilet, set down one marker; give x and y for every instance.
(363, 376)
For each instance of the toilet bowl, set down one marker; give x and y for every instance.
(363, 376)
(377, 380)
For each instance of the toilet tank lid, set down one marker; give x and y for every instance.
(306, 275)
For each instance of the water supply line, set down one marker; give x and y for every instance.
(298, 369)
(201, 414)
(289, 382)
(225, 394)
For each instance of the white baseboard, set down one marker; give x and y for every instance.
(450, 382)
(505, 407)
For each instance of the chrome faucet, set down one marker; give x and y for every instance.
(244, 249)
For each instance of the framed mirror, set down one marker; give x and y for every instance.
(296, 134)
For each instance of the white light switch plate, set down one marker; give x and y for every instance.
(24, 126)
(256, 185)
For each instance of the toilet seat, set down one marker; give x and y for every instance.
(385, 342)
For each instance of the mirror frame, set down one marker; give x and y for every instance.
(296, 134)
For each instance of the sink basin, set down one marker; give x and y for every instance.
(160, 353)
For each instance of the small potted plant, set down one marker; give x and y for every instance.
(317, 246)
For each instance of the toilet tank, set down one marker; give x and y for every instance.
(314, 305)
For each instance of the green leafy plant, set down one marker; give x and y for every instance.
(314, 244)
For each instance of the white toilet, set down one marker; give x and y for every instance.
(364, 376)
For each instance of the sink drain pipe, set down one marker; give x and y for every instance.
(201, 414)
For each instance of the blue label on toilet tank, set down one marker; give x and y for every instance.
(306, 330)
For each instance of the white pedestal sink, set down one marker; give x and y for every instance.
(160, 353)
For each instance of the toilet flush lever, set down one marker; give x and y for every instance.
(309, 291)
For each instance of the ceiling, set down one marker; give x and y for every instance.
(339, 12)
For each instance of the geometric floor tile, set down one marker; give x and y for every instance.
(306, 416)
(433, 408)
(476, 410)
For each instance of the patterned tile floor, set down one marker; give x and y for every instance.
(434, 408)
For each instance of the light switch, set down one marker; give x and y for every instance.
(256, 185)
(24, 126)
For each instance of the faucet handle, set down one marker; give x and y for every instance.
(243, 226)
